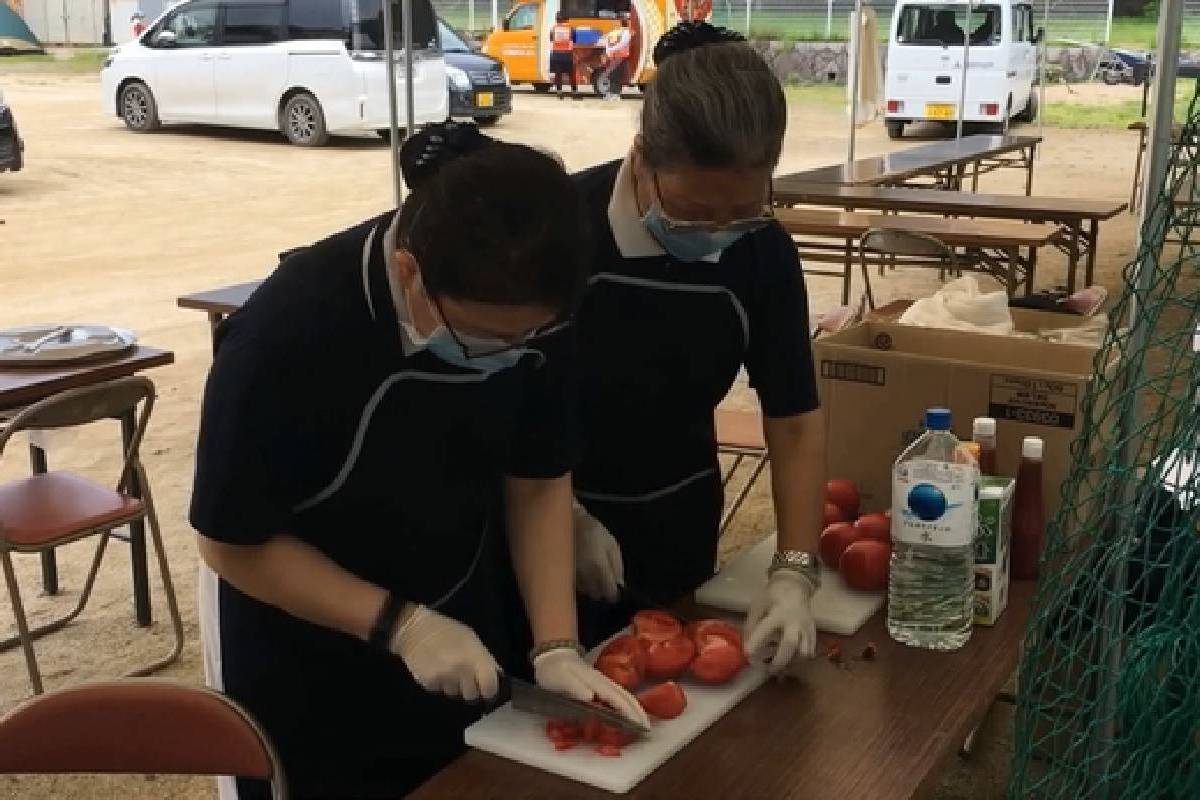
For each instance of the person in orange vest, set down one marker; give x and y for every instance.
(616, 55)
(562, 55)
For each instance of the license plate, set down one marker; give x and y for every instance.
(939, 110)
(485, 99)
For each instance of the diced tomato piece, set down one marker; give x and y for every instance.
(664, 701)
(717, 662)
(614, 736)
(652, 625)
(565, 744)
(669, 658)
(610, 750)
(591, 730)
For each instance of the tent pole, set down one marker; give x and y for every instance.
(495, 14)
(829, 20)
(853, 59)
(1044, 55)
(389, 57)
(410, 113)
(962, 89)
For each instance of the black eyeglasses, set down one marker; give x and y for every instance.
(747, 225)
(481, 347)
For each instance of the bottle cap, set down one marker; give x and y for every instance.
(984, 426)
(937, 419)
(1032, 447)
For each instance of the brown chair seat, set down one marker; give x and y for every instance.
(740, 429)
(42, 509)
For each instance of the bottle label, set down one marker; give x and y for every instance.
(934, 503)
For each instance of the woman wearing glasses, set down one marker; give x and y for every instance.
(372, 411)
(694, 280)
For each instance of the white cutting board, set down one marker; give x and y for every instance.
(521, 737)
(837, 608)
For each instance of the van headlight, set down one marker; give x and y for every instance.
(458, 79)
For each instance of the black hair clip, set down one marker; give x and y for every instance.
(690, 35)
(426, 151)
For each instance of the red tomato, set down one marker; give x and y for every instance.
(670, 657)
(654, 626)
(611, 736)
(564, 744)
(664, 701)
(843, 494)
(865, 565)
(611, 750)
(623, 660)
(700, 630)
(834, 515)
(874, 526)
(717, 662)
(834, 541)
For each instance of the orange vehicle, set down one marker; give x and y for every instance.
(523, 39)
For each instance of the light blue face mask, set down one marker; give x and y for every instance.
(442, 344)
(687, 246)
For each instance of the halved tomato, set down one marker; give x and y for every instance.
(652, 625)
(718, 661)
(623, 660)
(664, 701)
(700, 630)
(670, 657)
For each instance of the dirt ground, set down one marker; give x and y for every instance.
(107, 226)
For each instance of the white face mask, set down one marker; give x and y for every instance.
(497, 354)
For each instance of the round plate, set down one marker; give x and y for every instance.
(76, 343)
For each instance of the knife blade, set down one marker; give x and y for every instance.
(552, 705)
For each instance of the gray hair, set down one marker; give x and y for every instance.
(716, 106)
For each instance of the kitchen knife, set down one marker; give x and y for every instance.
(552, 705)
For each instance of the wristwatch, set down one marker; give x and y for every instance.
(799, 561)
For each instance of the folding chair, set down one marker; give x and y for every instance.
(740, 434)
(56, 508)
(137, 727)
(916, 250)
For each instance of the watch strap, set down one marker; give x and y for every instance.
(384, 626)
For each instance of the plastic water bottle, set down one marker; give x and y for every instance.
(935, 488)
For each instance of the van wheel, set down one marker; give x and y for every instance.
(303, 121)
(895, 130)
(1030, 112)
(541, 88)
(138, 109)
(386, 135)
(601, 83)
(488, 121)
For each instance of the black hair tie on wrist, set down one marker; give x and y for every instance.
(427, 151)
(690, 35)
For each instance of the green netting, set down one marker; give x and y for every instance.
(1109, 698)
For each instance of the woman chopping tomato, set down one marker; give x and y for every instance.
(693, 280)
(374, 409)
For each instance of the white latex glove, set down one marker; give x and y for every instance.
(564, 671)
(783, 611)
(599, 569)
(446, 656)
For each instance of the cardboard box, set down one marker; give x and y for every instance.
(992, 548)
(878, 378)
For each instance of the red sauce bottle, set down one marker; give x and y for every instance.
(983, 431)
(1029, 512)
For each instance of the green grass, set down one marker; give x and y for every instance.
(78, 62)
(1113, 116)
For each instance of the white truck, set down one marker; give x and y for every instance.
(926, 43)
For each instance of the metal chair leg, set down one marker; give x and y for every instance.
(968, 746)
(164, 571)
(14, 593)
(866, 273)
(742, 493)
(62, 622)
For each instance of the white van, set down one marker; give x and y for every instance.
(307, 68)
(925, 60)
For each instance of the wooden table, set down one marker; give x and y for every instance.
(992, 246)
(1078, 219)
(946, 163)
(22, 386)
(881, 730)
(219, 303)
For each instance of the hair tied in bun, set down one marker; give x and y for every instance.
(690, 35)
(424, 153)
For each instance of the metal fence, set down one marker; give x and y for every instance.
(1069, 20)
